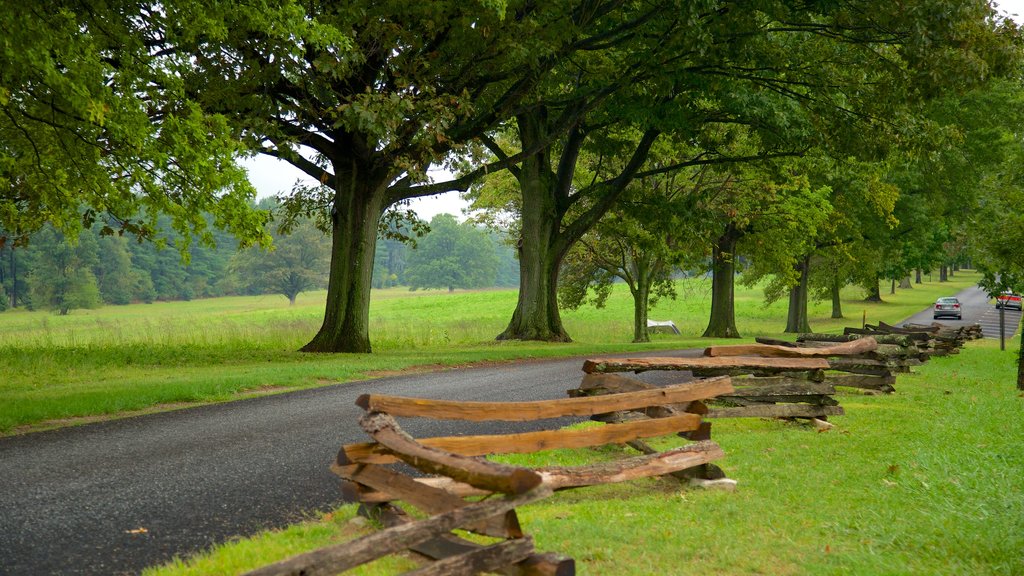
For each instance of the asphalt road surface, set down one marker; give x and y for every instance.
(116, 497)
(976, 308)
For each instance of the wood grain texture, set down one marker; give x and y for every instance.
(331, 560)
(526, 411)
(482, 560)
(776, 411)
(474, 471)
(851, 348)
(741, 362)
(390, 485)
(526, 442)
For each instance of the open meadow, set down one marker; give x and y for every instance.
(61, 370)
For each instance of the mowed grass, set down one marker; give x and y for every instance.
(60, 370)
(924, 481)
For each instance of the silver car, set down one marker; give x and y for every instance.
(948, 306)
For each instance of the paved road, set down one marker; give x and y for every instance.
(70, 499)
(977, 308)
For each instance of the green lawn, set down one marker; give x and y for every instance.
(118, 359)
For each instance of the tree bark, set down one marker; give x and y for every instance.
(796, 319)
(917, 276)
(905, 283)
(722, 323)
(1020, 365)
(874, 293)
(359, 202)
(641, 299)
(837, 303)
(892, 286)
(943, 273)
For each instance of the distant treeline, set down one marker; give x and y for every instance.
(54, 272)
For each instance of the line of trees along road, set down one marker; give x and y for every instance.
(830, 124)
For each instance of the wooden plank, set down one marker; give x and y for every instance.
(538, 410)
(896, 339)
(477, 472)
(658, 464)
(330, 560)
(484, 559)
(865, 381)
(563, 477)
(776, 411)
(816, 399)
(526, 442)
(779, 386)
(744, 362)
(851, 348)
(427, 498)
(445, 545)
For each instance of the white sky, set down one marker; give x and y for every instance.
(271, 176)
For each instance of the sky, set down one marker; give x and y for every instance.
(271, 176)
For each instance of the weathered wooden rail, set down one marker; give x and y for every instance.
(461, 473)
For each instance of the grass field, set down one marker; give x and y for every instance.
(61, 370)
(924, 481)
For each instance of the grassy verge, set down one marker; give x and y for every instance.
(924, 481)
(125, 359)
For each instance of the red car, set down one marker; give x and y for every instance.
(1008, 300)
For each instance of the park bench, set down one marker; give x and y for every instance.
(459, 475)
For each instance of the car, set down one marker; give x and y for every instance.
(947, 306)
(1008, 300)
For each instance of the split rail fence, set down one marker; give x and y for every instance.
(473, 494)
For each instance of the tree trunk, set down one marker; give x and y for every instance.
(1020, 365)
(358, 205)
(905, 283)
(722, 323)
(943, 273)
(796, 319)
(874, 292)
(837, 303)
(892, 286)
(917, 276)
(291, 299)
(14, 280)
(536, 316)
(641, 291)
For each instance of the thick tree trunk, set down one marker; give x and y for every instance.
(722, 323)
(917, 276)
(796, 319)
(358, 205)
(837, 303)
(874, 292)
(944, 273)
(905, 283)
(536, 316)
